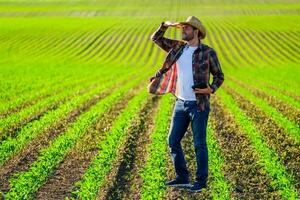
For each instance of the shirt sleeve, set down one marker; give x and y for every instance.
(216, 71)
(158, 38)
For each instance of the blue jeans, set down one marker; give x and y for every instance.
(185, 112)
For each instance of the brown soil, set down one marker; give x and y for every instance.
(240, 167)
(123, 182)
(290, 112)
(13, 130)
(28, 155)
(276, 137)
(70, 170)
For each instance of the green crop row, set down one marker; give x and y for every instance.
(100, 165)
(269, 91)
(45, 104)
(31, 96)
(24, 184)
(27, 77)
(12, 145)
(267, 77)
(220, 187)
(290, 127)
(154, 172)
(281, 180)
(48, 89)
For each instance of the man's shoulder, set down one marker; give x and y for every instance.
(180, 42)
(177, 45)
(207, 47)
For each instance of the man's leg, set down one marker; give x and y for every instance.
(179, 124)
(199, 124)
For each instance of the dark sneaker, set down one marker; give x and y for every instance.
(197, 187)
(178, 183)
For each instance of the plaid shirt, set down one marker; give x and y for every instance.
(205, 61)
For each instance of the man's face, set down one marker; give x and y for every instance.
(188, 33)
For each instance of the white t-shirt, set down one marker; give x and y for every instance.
(185, 79)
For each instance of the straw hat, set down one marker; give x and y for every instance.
(193, 21)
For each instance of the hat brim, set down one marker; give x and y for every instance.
(180, 25)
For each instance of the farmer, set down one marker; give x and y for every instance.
(188, 63)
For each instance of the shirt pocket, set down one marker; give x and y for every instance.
(204, 66)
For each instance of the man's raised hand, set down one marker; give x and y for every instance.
(168, 23)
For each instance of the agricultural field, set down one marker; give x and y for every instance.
(77, 122)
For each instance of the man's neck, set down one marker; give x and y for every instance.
(193, 42)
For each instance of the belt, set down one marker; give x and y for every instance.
(191, 101)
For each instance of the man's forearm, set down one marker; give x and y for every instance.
(218, 80)
(158, 38)
(215, 68)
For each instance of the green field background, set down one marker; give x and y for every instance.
(51, 50)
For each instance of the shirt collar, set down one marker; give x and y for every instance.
(199, 45)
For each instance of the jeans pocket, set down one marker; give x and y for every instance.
(206, 109)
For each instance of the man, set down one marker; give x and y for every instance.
(188, 63)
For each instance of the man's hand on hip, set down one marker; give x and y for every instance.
(207, 90)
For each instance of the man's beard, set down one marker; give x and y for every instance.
(187, 37)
